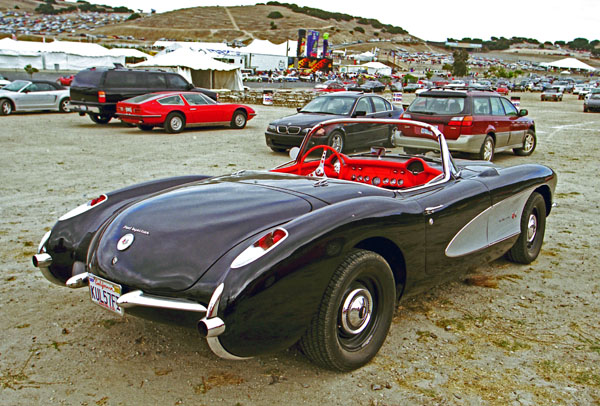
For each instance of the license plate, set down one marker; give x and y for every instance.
(105, 293)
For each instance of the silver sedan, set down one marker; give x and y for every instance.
(32, 95)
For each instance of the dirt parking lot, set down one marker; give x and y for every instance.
(521, 335)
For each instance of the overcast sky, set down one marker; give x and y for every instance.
(436, 20)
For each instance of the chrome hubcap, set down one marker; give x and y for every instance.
(6, 108)
(531, 228)
(239, 120)
(356, 311)
(176, 123)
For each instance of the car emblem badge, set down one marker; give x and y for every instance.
(125, 242)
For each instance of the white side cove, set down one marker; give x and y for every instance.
(495, 224)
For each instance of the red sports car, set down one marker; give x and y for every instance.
(65, 80)
(502, 89)
(176, 110)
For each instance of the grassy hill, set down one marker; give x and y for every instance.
(243, 23)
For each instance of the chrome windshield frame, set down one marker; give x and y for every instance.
(449, 168)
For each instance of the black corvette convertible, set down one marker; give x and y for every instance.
(317, 251)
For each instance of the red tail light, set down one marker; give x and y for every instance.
(101, 97)
(137, 110)
(97, 200)
(465, 121)
(268, 240)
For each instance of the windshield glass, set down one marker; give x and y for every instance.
(330, 105)
(437, 105)
(16, 85)
(140, 99)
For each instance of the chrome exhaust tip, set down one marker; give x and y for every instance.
(42, 260)
(212, 327)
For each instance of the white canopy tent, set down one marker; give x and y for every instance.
(57, 55)
(378, 68)
(198, 68)
(569, 63)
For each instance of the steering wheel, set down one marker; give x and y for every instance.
(325, 162)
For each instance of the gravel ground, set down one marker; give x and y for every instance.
(509, 335)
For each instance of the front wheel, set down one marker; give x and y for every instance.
(533, 226)
(238, 120)
(175, 123)
(63, 106)
(336, 141)
(100, 118)
(355, 313)
(5, 107)
(529, 144)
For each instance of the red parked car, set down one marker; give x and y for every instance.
(503, 90)
(481, 123)
(177, 110)
(65, 80)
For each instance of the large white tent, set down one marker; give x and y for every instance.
(261, 55)
(58, 55)
(198, 68)
(569, 63)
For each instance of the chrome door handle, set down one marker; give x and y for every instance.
(431, 210)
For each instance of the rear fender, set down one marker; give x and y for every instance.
(70, 238)
(270, 302)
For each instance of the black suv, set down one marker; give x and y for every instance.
(96, 91)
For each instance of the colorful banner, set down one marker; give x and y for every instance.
(325, 44)
(315, 64)
(312, 43)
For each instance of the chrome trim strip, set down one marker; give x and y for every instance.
(138, 115)
(215, 327)
(472, 230)
(78, 281)
(139, 298)
(213, 305)
(215, 346)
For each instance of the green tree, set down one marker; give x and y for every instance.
(459, 67)
(275, 14)
(30, 70)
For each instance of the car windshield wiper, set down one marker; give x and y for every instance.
(431, 113)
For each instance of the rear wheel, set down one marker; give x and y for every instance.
(529, 144)
(486, 153)
(238, 120)
(355, 313)
(63, 105)
(100, 118)
(5, 107)
(175, 123)
(533, 226)
(278, 149)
